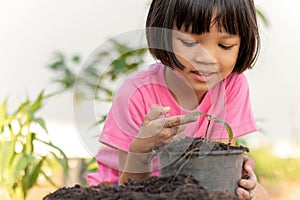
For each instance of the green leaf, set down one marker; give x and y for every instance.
(7, 153)
(3, 115)
(30, 137)
(49, 179)
(262, 17)
(59, 63)
(19, 164)
(228, 128)
(107, 91)
(35, 172)
(22, 108)
(76, 59)
(38, 102)
(121, 48)
(91, 165)
(42, 123)
(63, 162)
(100, 121)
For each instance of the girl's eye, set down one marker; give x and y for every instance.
(225, 47)
(188, 43)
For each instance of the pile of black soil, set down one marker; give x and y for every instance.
(157, 188)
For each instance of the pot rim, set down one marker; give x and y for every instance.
(218, 152)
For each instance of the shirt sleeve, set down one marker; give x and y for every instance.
(237, 108)
(124, 118)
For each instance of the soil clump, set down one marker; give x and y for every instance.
(157, 188)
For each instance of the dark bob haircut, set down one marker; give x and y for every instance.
(237, 17)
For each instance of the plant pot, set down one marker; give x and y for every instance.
(218, 170)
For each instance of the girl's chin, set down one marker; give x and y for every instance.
(204, 86)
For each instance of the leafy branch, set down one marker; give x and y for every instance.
(20, 164)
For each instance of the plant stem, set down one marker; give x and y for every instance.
(209, 118)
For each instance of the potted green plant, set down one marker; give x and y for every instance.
(217, 166)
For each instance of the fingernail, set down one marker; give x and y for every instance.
(243, 183)
(167, 109)
(248, 168)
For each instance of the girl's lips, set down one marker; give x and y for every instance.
(203, 76)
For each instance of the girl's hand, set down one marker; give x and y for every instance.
(157, 131)
(248, 181)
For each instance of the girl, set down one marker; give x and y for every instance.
(203, 48)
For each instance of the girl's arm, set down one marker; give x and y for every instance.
(134, 166)
(156, 131)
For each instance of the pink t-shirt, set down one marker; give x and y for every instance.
(227, 100)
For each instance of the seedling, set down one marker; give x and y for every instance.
(210, 119)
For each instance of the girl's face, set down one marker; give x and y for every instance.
(208, 58)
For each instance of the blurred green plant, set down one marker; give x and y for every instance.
(96, 77)
(21, 165)
(262, 16)
(276, 169)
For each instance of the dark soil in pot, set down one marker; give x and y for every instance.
(179, 187)
(217, 166)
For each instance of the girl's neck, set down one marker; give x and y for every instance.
(181, 90)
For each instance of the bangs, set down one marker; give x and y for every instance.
(197, 17)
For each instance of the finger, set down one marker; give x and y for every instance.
(169, 133)
(165, 136)
(249, 164)
(177, 130)
(244, 194)
(179, 120)
(249, 175)
(157, 127)
(180, 135)
(155, 113)
(248, 184)
(253, 177)
(181, 129)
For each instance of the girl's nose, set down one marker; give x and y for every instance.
(204, 55)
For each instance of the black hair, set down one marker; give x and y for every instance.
(237, 17)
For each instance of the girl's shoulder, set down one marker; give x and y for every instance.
(154, 73)
(142, 80)
(236, 77)
(235, 80)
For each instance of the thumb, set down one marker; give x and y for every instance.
(155, 113)
(249, 164)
